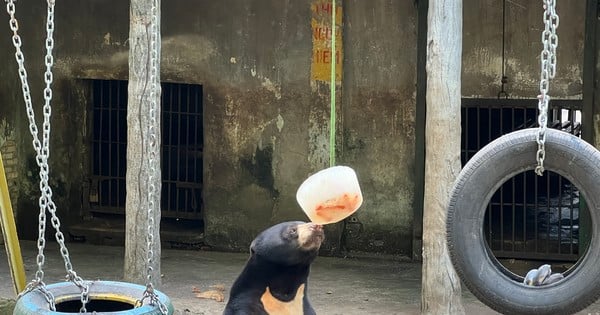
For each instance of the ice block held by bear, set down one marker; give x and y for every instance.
(330, 195)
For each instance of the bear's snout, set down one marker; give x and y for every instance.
(315, 227)
(310, 236)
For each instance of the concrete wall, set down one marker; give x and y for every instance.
(15, 138)
(266, 118)
(266, 122)
(379, 116)
(482, 48)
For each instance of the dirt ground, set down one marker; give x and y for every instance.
(337, 285)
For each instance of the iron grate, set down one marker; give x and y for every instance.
(181, 148)
(529, 217)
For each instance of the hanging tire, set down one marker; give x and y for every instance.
(482, 176)
(106, 297)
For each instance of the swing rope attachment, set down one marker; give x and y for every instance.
(42, 149)
(548, 70)
(153, 153)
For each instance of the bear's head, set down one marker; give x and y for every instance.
(289, 243)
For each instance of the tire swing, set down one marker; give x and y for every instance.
(482, 176)
(76, 295)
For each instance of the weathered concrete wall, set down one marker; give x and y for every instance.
(15, 128)
(10, 100)
(378, 120)
(266, 123)
(258, 110)
(482, 48)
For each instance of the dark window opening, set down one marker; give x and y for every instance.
(181, 149)
(529, 217)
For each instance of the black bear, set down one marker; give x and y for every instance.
(274, 279)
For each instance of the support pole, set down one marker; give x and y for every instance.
(9, 231)
(441, 290)
(141, 98)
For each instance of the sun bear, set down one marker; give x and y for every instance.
(274, 280)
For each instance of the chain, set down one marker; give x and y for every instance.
(42, 149)
(548, 70)
(41, 287)
(153, 148)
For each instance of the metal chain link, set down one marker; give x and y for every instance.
(42, 150)
(153, 151)
(548, 70)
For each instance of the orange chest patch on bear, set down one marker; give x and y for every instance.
(273, 306)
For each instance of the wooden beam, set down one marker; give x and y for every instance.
(9, 232)
(441, 289)
(143, 58)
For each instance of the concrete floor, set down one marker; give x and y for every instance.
(338, 285)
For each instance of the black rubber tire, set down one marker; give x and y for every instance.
(123, 292)
(480, 271)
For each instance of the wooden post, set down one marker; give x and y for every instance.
(9, 232)
(138, 119)
(441, 290)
